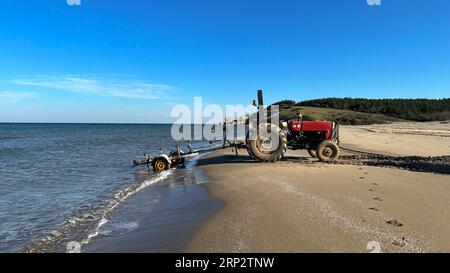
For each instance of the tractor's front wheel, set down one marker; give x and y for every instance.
(160, 164)
(268, 145)
(327, 151)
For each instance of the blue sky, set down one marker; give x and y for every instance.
(131, 61)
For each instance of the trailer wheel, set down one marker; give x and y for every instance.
(160, 164)
(262, 148)
(327, 151)
(312, 153)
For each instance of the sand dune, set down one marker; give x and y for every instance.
(300, 205)
(408, 139)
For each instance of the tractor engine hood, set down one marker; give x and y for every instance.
(319, 126)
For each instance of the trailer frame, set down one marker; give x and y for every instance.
(177, 157)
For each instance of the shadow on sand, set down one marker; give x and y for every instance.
(438, 164)
(231, 159)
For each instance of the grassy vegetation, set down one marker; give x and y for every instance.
(343, 116)
(368, 111)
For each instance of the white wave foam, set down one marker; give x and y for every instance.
(119, 228)
(120, 197)
(96, 219)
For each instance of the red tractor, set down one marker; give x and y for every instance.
(320, 138)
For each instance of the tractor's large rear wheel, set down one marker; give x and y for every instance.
(327, 151)
(270, 144)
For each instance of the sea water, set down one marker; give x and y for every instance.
(73, 182)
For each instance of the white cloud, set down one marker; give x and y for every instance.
(131, 89)
(12, 95)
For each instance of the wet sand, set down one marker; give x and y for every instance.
(162, 228)
(300, 205)
(159, 218)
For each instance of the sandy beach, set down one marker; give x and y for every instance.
(397, 197)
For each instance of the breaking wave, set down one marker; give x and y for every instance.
(83, 228)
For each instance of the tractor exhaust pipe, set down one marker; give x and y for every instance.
(267, 115)
(260, 98)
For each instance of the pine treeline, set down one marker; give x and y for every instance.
(411, 109)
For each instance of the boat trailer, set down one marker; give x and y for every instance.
(177, 157)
